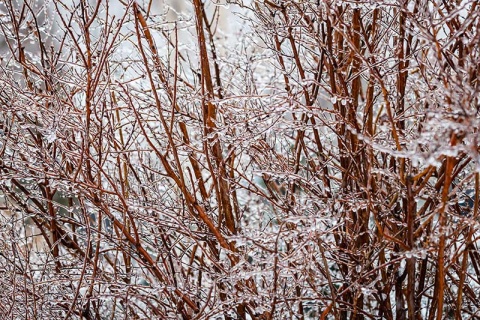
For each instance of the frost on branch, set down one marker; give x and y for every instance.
(239, 160)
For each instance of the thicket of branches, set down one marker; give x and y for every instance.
(318, 160)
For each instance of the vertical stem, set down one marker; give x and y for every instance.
(443, 221)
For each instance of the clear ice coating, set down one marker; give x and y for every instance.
(212, 159)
